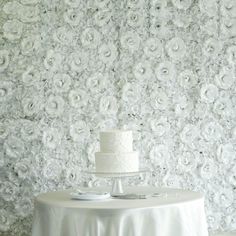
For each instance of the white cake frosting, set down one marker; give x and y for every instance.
(116, 152)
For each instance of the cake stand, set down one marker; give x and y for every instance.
(117, 187)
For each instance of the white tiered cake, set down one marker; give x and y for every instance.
(116, 152)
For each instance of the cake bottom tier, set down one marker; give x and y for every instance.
(117, 162)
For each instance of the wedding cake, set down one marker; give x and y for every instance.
(116, 152)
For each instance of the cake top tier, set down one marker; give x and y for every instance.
(113, 141)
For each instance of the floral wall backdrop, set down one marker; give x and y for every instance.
(163, 68)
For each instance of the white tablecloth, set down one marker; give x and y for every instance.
(179, 213)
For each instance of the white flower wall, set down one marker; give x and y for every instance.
(163, 68)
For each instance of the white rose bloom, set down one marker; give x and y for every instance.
(159, 28)
(226, 153)
(29, 2)
(189, 134)
(31, 105)
(182, 4)
(64, 35)
(159, 100)
(130, 41)
(158, 7)
(73, 17)
(228, 27)
(22, 168)
(28, 130)
(55, 106)
(14, 147)
(78, 61)
(183, 106)
(30, 44)
(134, 3)
(209, 7)
(212, 47)
(143, 71)
(131, 92)
(108, 53)
(29, 14)
(4, 130)
(10, 8)
(187, 79)
(226, 78)
(102, 17)
(159, 126)
(176, 48)
(211, 27)
(31, 76)
(159, 154)
(108, 105)
(211, 131)
(72, 175)
(231, 54)
(78, 98)
(90, 38)
(24, 207)
(165, 71)
(96, 81)
(209, 93)
(12, 29)
(187, 162)
(51, 138)
(228, 8)
(53, 60)
(61, 82)
(101, 3)
(5, 220)
(134, 19)
(5, 91)
(52, 170)
(182, 20)
(79, 131)
(73, 3)
(4, 60)
(153, 48)
(223, 106)
(208, 170)
(224, 197)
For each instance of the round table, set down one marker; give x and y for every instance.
(174, 213)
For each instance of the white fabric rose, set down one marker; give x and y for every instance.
(61, 82)
(101, 3)
(159, 154)
(52, 170)
(55, 106)
(134, 19)
(64, 35)
(96, 82)
(228, 8)
(134, 3)
(6, 91)
(211, 131)
(11, 7)
(4, 60)
(224, 197)
(176, 48)
(209, 7)
(131, 92)
(211, 27)
(165, 71)
(24, 207)
(228, 27)
(79, 131)
(226, 153)
(14, 147)
(102, 17)
(130, 41)
(187, 161)
(108, 53)
(30, 44)
(212, 47)
(78, 98)
(209, 93)
(6, 220)
(208, 170)
(31, 105)
(29, 14)
(153, 48)
(181, 20)
(226, 78)
(160, 126)
(28, 130)
(143, 71)
(187, 79)
(51, 138)
(73, 17)
(78, 61)
(223, 106)
(231, 54)
(182, 4)
(159, 100)
(90, 38)
(22, 168)
(189, 134)
(53, 60)
(31, 76)
(12, 29)
(73, 3)
(159, 28)
(108, 105)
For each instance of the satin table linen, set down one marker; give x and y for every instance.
(175, 213)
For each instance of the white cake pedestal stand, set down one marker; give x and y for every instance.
(117, 187)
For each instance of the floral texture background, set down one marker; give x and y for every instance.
(163, 68)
